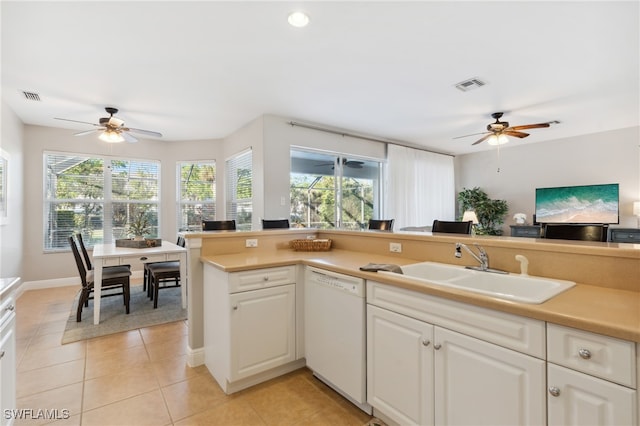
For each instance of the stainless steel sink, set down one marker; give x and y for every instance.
(519, 288)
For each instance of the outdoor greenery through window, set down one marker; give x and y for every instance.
(239, 189)
(197, 194)
(99, 197)
(333, 190)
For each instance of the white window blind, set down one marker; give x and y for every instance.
(239, 189)
(196, 194)
(97, 196)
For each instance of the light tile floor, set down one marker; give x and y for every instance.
(141, 377)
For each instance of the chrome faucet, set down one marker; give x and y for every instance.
(481, 257)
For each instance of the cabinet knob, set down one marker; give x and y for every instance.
(1, 354)
(235, 308)
(10, 308)
(554, 391)
(266, 278)
(437, 346)
(425, 342)
(584, 353)
(143, 258)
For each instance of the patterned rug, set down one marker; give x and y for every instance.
(113, 318)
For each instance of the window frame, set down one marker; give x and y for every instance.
(232, 164)
(107, 200)
(180, 225)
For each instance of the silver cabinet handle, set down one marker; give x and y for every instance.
(554, 391)
(437, 346)
(584, 353)
(425, 342)
(10, 308)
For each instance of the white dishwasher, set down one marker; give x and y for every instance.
(335, 334)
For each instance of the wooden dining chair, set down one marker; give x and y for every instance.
(381, 225)
(452, 227)
(218, 225)
(110, 280)
(159, 274)
(275, 223)
(87, 259)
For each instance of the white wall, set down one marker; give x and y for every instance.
(607, 157)
(38, 139)
(11, 233)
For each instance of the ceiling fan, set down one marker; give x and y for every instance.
(112, 128)
(354, 164)
(497, 132)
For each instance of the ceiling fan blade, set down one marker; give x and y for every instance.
(144, 132)
(529, 126)
(86, 132)
(76, 121)
(129, 138)
(482, 139)
(472, 134)
(516, 134)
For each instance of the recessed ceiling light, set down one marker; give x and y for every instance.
(298, 19)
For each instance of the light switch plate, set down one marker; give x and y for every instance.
(253, 242)
(395, 247)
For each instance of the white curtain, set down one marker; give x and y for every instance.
(420, 187)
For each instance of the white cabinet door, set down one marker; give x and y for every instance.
(262, 330)
(580, 399)
(478, 383)
(7, 369)
(400, 366)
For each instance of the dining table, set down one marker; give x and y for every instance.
(109, 255)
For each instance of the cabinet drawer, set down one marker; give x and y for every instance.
(134, 260)
(601, 356)
(261, 278)
(522, 334)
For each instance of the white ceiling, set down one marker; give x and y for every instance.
(201, 70)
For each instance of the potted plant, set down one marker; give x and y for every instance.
(490, 212)
(139, 226)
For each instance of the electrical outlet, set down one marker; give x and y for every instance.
(395, 247)
(251, 242)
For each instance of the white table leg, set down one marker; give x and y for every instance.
(97, 289)
(183, 279)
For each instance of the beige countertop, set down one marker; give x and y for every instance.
(601, 310)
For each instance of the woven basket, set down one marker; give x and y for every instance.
(310, 245)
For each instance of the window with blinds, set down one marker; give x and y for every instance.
(196, 194)
(239, 189)
(98, 197)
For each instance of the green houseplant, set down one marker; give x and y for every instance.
(490, 212)
(139, 226)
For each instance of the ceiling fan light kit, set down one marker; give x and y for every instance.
(111, 136)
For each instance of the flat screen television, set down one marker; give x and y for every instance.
(578, 204)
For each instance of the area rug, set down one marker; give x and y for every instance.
(113, 318)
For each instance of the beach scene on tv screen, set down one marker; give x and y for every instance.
(577, 204)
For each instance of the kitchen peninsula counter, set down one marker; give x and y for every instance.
(612, 312)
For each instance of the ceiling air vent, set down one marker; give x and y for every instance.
(31, 96)
(470, 84)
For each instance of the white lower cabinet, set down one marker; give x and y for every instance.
(479, 383)
(400, 366)
(262, 330)
(591, 379)
(580, 399)
(420, 374)
(249, 325)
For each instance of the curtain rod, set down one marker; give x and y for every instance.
(367, 138)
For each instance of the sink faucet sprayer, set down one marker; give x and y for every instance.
(481, 257)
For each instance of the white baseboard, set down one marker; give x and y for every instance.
(195, 357)
(60, 282)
